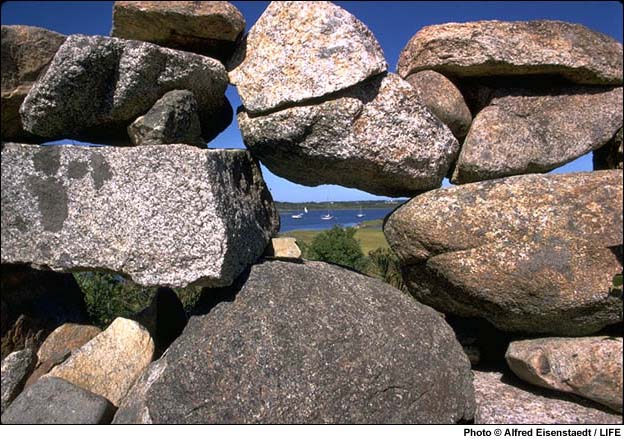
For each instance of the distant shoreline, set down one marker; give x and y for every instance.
(337, 205)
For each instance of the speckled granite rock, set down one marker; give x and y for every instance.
(210, 28)
(444, 100)
(526, 131)
(533, 253)
(16, 368)
(483, 48)
(325, 345)
(55, 401)
(377, 136)
(610, 155)
(173, 119)
(503, 399)
(96, 86)
(167, 215)
(302, 50)
(590, 367)
(26, 53)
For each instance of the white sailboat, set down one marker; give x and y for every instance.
(327, 217)
(361, 214)
(300, 214)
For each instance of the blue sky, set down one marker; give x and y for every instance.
(393, 23)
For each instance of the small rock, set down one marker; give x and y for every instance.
(55, 401)
(297, 51)
(16, 368)
(209, 28)
(610, 155)
(590, 367)
(172, 119)
(283, 248)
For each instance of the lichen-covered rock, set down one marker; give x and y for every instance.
(302, 50)
(610, 155)
(530, 131)
(209, 28)
(504, 399)
(283, 248)
(26, 53)
(590, 367)
(532, 253)
(167, 215)
(484, 48)
(110, 363)
(444, 100)
(16, 368)
(377, 136)
(325, 345)
(173, 119)
(56, 401)
(96, 86)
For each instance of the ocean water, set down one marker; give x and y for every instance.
(312, 220)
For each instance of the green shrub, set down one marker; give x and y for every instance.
(337, 246)
(385, 265)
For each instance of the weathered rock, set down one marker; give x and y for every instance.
(55, 401)
(610, 155)
(24, 333)
(96, 86)
(283, 248)
(503, 399)
(16, 368)
(484, 48)
(26, 53)
(590, 367)
(377, 136)
(533, 253)
(444, 100)
(210, 28)
(110, 363)
(164, 318)
(524, 131)
(165, 215)
(297, 51)
(325, 345)
(173, 119)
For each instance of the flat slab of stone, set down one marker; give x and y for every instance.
(532, 253)
(297, 51)
(283, 248)
(16, 368)
(590, 367)
(56, 401)
(166, 215)
(529, 131)
(377, 136)
(324, 345)
(485, 48)
(96, 86)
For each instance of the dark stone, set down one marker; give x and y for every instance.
(610, 155)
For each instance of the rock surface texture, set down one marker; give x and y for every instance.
(325, 345)
(166, 215)
(96, 86)
(209, 28)
(484, 48)
(16, 368)
(55, 401)
(26, 53)
(297, 51)
(505, 400)
(533, 253)
(590, 367)
(610, 155)
(378, 137)
(530, 131)
(110, 363)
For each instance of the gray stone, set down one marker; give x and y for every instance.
(297, 51)
(55, 401)
(96, 86)
(166, 215)
(16, 368)
(444, 100)
(26, 53)
(533, 253)
(503, 399)
(484, 48)
(210, 28)
(610, 155)
(529, 131)
(378, 137)
(173, 119)
(590, 367)
(324, 345)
